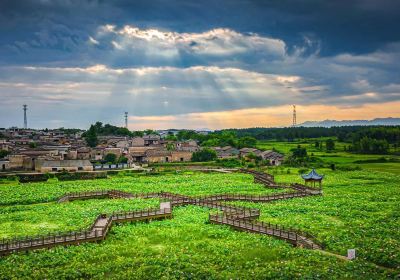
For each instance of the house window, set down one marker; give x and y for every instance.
(80, 168)
(181, 158)
(54, 169)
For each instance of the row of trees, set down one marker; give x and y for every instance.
(99, 129)
(368, 145)
(221, 138)
(329, 144)
(348, 134)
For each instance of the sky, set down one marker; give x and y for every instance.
(197, 64)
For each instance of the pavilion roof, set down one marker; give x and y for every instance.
(313, 175)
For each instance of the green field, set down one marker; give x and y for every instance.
(359, 210)
(338, 156)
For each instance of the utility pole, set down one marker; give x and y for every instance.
(126, 119)
(294, 116)
(25, 118)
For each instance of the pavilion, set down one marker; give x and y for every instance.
(313, 177)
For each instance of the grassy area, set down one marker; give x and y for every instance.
(358, 210)
(338, 157)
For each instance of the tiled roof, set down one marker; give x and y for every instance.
(313, 175)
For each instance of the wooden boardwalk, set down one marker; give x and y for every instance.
(268, 181)
(240, 218)
(95, 233)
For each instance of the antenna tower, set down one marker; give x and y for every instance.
(294, 116)
(25, 118)
(126, 119)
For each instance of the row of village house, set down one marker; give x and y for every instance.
(73, 155)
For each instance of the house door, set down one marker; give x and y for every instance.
(3, 167)
(166, 159)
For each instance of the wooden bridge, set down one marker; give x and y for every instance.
(268, 181)
(240, 218)
(97, 231)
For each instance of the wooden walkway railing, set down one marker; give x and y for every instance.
(241, 218)
(268, 181)
(289, 235)
(256, 198)
(97, 231)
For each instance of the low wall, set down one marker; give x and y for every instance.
(43, 177)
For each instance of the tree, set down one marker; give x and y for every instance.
(32, 145)
(150, 131)
(330, 144)
(91, 137)
(204, 155)
(123, 159)
(247, 142)
(4, 153)
(299, 152)
(170, 147)
(254, 157)
(137, 134)
(171, 137)
(112, 158)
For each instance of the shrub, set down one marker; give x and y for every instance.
(229, 162)
(204, 155)
(111, 158)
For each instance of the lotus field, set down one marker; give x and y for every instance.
(359, 210)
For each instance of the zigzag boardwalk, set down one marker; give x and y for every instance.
(240, 218)
(95, 233)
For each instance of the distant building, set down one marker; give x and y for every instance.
(4, 165)
(137, 142)
(61, 165)
(273, 157)
(83, 153)
(226, 152)
(244, 152)
(158, 156)
(116, 151)
(188, 146)
(151, 139)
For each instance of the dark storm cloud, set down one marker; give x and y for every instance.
(164, 57)
(357, 26)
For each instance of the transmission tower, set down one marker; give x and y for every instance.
(294, 115)
(25, 118)
(126, 119)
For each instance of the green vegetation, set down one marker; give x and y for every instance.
(33, 145)
(110, 158)
(368, 145)
(330, 144)
(4, 153)
(204, 155)
(359, 210)
(91, 137)
(318, 157)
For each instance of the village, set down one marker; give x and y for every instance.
(30, 150)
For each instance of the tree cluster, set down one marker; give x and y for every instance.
(204, 155)
(370, 146)
(343, 133)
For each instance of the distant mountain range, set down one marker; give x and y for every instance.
(330, 123)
